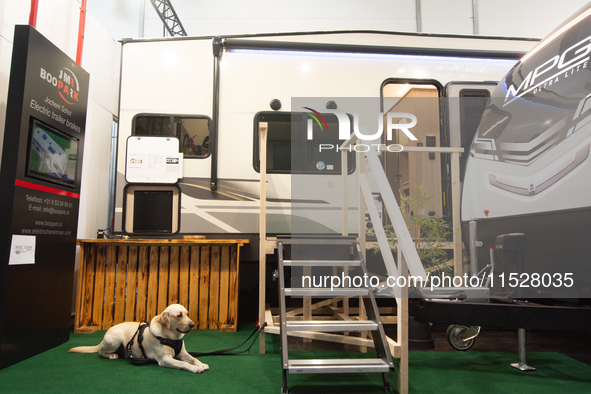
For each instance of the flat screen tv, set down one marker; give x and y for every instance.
(52, 156)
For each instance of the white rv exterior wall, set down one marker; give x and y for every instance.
(174, 76)
(58, 21)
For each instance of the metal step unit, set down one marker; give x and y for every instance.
(321, 253)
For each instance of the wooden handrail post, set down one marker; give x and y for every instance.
(456, 215)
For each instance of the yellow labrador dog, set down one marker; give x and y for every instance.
(160, 340)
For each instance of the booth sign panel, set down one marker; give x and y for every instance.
(40, 192)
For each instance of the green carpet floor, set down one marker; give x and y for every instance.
(57, 371)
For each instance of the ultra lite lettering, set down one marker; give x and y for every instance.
(572, 57)
(64, 84)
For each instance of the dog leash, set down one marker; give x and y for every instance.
(228, 352)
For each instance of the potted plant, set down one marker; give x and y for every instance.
(430, 233)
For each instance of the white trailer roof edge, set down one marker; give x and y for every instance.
(376, 37)
(332, 32)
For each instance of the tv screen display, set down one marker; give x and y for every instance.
(53, 155)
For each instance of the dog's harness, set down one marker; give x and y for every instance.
(175, 344)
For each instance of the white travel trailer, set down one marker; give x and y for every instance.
(528, 170)
(526, 195)
(212, 93)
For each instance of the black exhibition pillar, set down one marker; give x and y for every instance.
(39, 195)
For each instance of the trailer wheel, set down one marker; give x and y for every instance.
(453, 338)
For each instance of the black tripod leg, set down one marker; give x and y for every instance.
(284, 388)
(387, 387)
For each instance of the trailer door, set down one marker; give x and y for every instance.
(465, 104)
(409, 172)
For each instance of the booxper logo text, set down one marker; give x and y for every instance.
(66, 84)
(345, 129)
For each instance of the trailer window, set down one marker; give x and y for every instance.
(290, 151)
(192, 131)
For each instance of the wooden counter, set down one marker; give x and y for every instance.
(135, 279)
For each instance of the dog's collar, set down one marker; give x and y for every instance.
(175, 344)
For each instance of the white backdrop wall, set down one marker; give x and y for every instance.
(508, 18)
(58, 21)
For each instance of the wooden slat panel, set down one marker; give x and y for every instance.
(173, 276)
(233, 304)
(99, 286)
(89, 274)
(163, 279)
(121, 284)
(224, 285)
(204, 287)
(128, 281)
(184, 277)
(152, 284)
(214, 287)
(142, 282)
(110, 275)
(132, 272)
(193, 307)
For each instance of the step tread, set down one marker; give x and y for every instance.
(338, 365)
(303, 263)
(325, 292)
(317, 240)
(337, 325)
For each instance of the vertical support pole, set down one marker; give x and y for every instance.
(362, 243)
(344, 166)
(521, 344)
(142, 18)
(456, 218)
(473, 235)
(33, 13)
(475, 17)
(419, 16)
(81, 27)
(283, 318)
(217, 48)
(112, 178)
(345, 231)
(263, 128)
(522, 365)
(361, 170)
(402, 327)
(307, 303)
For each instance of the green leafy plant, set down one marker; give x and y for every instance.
(430, 232)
